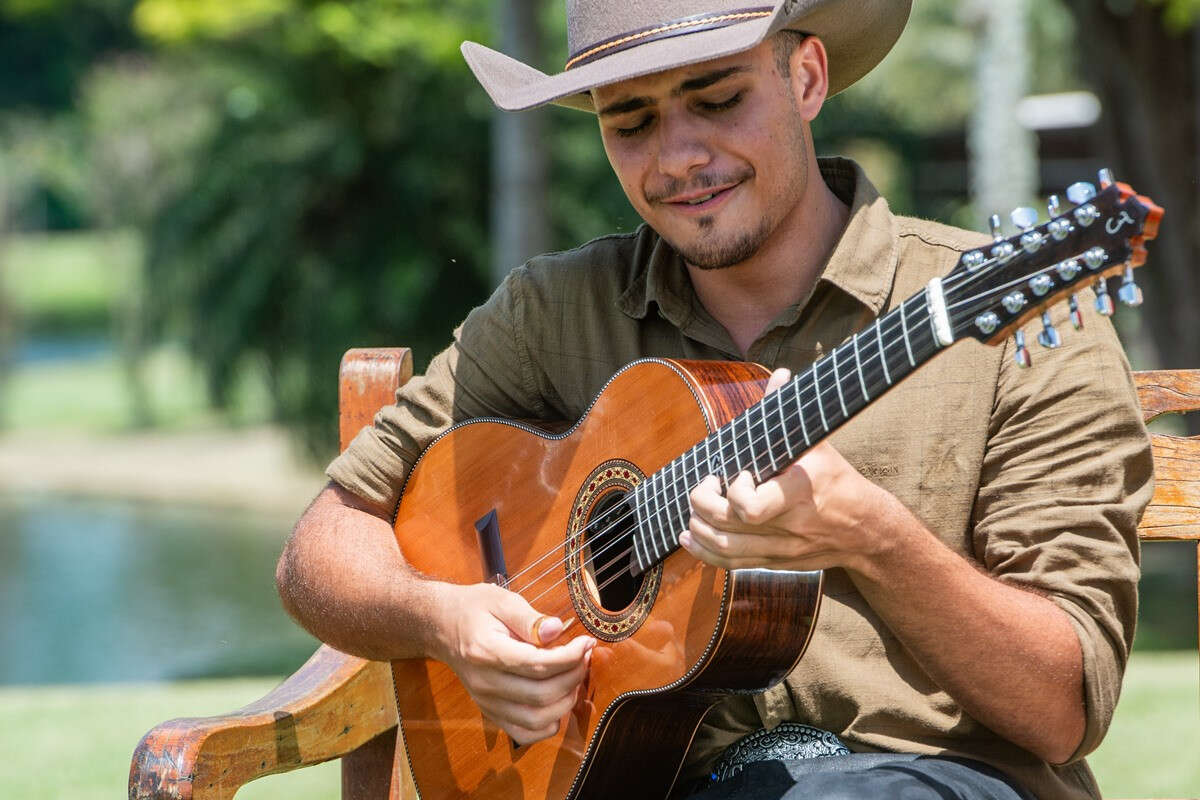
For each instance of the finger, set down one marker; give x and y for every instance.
(520, 658)
(750, 506)
(530, 691)
(531, 721)
(778, 378)
(708, 501)
(523, 620)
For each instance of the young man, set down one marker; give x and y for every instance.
(977, 523)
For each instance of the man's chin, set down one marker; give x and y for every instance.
(712, 252)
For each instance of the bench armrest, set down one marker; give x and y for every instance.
(330, 707)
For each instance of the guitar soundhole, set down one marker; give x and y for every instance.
(609, 601)
(607, 554)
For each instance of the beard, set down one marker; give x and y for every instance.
(711, 252)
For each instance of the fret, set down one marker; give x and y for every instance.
(762, 416)
(858, 363)
(817, 395)
(882, 353)
(837, 384)
(680, 488)
(745, 415)
(800, 412)
(787, 445)
(659, 511)
(904, 328)
(641, 526)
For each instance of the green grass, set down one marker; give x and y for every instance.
(69, 279)
(94, 395)
(77, 741)
(1152, 746)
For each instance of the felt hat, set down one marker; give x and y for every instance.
(614, 40)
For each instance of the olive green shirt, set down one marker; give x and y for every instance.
(1036, 475)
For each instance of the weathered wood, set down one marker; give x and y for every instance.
(1174, 511)
(367, 381)
(332, 705)
(1167, 391)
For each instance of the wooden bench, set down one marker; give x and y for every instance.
(339, 706)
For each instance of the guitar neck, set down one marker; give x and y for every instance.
(771, 434)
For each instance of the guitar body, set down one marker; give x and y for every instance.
(668, 639)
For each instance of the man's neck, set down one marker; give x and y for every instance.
(746, 297)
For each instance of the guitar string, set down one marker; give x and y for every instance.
(621, 540)
(955, 282)
(818, 397)
(601, 584)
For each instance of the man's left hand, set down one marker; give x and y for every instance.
(818, 513)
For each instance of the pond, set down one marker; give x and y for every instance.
(109, 590)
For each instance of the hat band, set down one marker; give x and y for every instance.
(679, 27)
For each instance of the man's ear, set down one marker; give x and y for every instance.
(809, 76)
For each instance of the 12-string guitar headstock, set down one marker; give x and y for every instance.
(996, 289)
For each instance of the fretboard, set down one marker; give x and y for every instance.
(771, 434)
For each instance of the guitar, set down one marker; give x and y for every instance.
(587, 528)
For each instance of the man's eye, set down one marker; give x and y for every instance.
(634, 131)
(721, 105)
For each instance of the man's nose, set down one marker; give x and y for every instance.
(681, 148)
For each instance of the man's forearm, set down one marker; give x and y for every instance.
(1008, 656)
(343, 578)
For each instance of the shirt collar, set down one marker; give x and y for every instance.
(862, 264)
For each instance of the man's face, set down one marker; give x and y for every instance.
(711, 155)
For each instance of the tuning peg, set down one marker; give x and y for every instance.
(1049, 337)
(1024, 217)
(1106, 178)
(1054, 206)
(1059, 228)
(994, 225)
(1130, 293)
(1081, 192)
(1020, 351)
(1104, 303)
(1076, 315)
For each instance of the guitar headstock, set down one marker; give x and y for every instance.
(996, 289)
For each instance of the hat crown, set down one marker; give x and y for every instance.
(593, 21)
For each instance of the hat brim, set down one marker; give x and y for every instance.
(515, 86)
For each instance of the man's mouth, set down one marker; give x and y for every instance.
(709, 196)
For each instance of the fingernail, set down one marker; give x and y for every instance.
(546, 628)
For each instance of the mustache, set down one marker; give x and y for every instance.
(673, 187)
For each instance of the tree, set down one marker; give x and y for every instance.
(1143, 60)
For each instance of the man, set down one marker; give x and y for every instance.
(977, 522)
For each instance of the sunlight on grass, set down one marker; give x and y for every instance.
(1151, 748)
(94, 395)
(76, 741)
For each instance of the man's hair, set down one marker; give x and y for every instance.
(786, 41)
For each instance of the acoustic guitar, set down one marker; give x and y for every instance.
(584, 524)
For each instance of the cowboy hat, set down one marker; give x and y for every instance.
(614, 40)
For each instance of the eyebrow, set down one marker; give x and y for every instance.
(690, 85)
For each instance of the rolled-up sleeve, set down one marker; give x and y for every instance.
(1066, 475)
(484, 372)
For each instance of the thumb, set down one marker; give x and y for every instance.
(778, 378)
(525, 622)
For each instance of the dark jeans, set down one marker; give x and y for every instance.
(865, 776)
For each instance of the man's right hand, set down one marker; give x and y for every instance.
(496, 643)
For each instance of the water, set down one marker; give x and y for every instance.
(107, 590)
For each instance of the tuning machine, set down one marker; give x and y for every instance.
(1104, 303)
(1082, 194)
(1130, 293)
(1020, 351)
(1026, 218)
(1049, 337)
(1059, 228)
(1003, 250)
